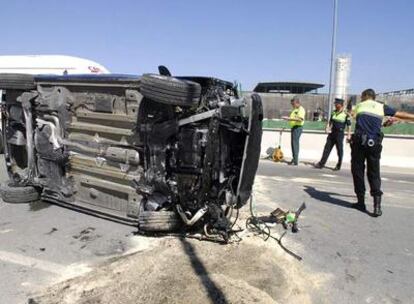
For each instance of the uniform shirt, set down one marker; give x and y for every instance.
(297, 113)
(339, 120)
(371, 124)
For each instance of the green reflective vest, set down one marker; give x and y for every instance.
(339, 116)
(370, 107)
(297, 113)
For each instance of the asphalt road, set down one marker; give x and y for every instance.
(361, 259)
(41, 244)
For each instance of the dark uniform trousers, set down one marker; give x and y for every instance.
(295, 134)
(362, 153)
(334, 139)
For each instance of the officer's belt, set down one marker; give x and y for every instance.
(365, 139)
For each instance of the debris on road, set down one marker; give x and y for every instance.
(247, 271)
(53, 230)
(178, 270)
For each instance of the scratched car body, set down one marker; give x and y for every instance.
(156, 151)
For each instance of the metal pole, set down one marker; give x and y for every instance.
(331, 75)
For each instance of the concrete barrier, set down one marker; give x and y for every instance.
(398, 151)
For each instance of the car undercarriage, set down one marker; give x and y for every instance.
(160, 152)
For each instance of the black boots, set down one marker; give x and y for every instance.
(319, 165)
(360, 205)
(377, 205)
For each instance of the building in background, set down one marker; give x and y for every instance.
(288, 87)
(276, 95)
(401, 99)
(276, 98)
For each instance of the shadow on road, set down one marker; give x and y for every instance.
(313, 165)
(328, 197)
(308, 163)
(215, 294)
(38, 205)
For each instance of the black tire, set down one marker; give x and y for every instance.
(11, 193)
(158, 221)
(17, 82)
(170, 90)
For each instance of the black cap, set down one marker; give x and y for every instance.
(339, 100)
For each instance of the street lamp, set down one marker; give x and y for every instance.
(331, 75)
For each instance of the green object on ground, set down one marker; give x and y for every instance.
(290, 217)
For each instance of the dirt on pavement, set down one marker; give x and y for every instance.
(182, 270)
(179, 270)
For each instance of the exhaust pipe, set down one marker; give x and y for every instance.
(27, 107)
(190, 222)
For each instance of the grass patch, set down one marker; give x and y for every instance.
(401, 128)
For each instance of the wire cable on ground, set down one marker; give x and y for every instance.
(257, 225)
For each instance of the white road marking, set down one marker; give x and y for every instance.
(262, 191)
(329, 175)
(6, 231)
(301, 180)
(62, 272)
(305, 180)
(396, 195)
(22, 260)
(392, 205)
(403, 182)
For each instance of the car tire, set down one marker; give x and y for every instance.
(170, 90)
(158, 221)
(11, 193)
(17, 82)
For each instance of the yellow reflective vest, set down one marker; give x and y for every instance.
(370, 107)
(297, 113)
(339, 116)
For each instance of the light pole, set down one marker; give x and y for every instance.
(331, 75)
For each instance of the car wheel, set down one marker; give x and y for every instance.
(17, 81)
(12, 193)
(158, 221)
(170, 90)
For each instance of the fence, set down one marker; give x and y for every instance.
(277, 105)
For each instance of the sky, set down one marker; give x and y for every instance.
(245, 40)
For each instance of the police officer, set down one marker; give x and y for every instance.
(337, 124)
(366, 146)
(296, 121)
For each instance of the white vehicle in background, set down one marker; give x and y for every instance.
(47, 65)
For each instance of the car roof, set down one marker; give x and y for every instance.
(120, 79)
(87, 77)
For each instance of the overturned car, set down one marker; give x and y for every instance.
(160, 152)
